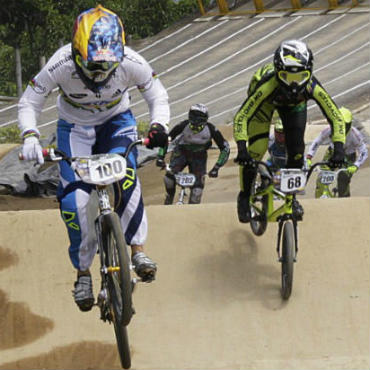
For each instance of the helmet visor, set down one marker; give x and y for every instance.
(97, 71)
(298, 78)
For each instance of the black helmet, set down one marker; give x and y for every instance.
(97, 45)
(293, 65)
(198, 117)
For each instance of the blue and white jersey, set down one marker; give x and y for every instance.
(79, 105)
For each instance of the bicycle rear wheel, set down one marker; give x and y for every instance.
(119, 284)
(287, 259)
(258, 219)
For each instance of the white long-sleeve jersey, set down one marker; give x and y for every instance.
(79, 105)
(355, 143)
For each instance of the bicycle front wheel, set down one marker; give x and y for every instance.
(119, 284)
(287, 259)
(258, 218)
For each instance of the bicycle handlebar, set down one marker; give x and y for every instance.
(308, 171)
(57, 155)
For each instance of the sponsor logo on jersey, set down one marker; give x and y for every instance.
(60, 63)
(37, 87)
(333, 110)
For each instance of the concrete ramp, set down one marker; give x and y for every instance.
(215, 304)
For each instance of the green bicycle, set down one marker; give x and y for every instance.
(283, 185)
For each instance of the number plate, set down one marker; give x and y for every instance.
(326, 177)
(185, 179)
(292, 180)
(101, 169)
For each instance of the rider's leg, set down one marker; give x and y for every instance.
(73, 197)
(198, 167)
(177, 163)
(114, 136)
(294, 122)
(258, 133)
(344, 180)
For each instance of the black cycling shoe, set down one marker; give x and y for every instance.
(83, 293)
(297, 210)
(244, 213)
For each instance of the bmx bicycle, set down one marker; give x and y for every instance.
(185, 180)
(266, 188)
(328, 183)
(115, 297)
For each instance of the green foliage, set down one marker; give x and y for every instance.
(10, 134)
(143, 18)
(142, 128)
(40, 27)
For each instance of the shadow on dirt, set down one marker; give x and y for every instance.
(20, 324)
(83, 355)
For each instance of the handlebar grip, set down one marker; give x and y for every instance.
(146, 141)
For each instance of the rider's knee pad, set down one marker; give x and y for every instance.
(195, 195)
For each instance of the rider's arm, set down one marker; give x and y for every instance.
(178, 129)
(151, 89)
(33, 99)
(222, 144)
(250, 107)
(329, 109)
(322, 138)
(361, 148)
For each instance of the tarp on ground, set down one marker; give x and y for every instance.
(25, 178)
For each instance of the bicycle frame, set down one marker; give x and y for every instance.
(281, 213)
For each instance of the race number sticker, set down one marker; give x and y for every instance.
(292, 180)
(185, 179)
(106, 170)
(327, 177)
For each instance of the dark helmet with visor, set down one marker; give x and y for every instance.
(293, 65)
(97, 45)
(198, 117)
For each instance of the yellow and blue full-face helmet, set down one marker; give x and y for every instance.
(97, 45)
(293, 62)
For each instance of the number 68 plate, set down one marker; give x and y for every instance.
(292, 180)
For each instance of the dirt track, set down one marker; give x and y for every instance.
(215, 304)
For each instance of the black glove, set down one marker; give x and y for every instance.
(337, 159)
(243, 157)
(160, 162)
(214, 171)
(157, 136)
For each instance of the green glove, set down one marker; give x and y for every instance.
(352, 169)
(308, 162)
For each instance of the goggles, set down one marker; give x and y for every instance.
(197, 127)
(96, 70)
(298, 78)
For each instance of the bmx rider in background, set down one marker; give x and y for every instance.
(193, 138)
(355, 151)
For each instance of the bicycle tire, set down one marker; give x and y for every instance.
(119, 284)
(287, 259)
(259, 225)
